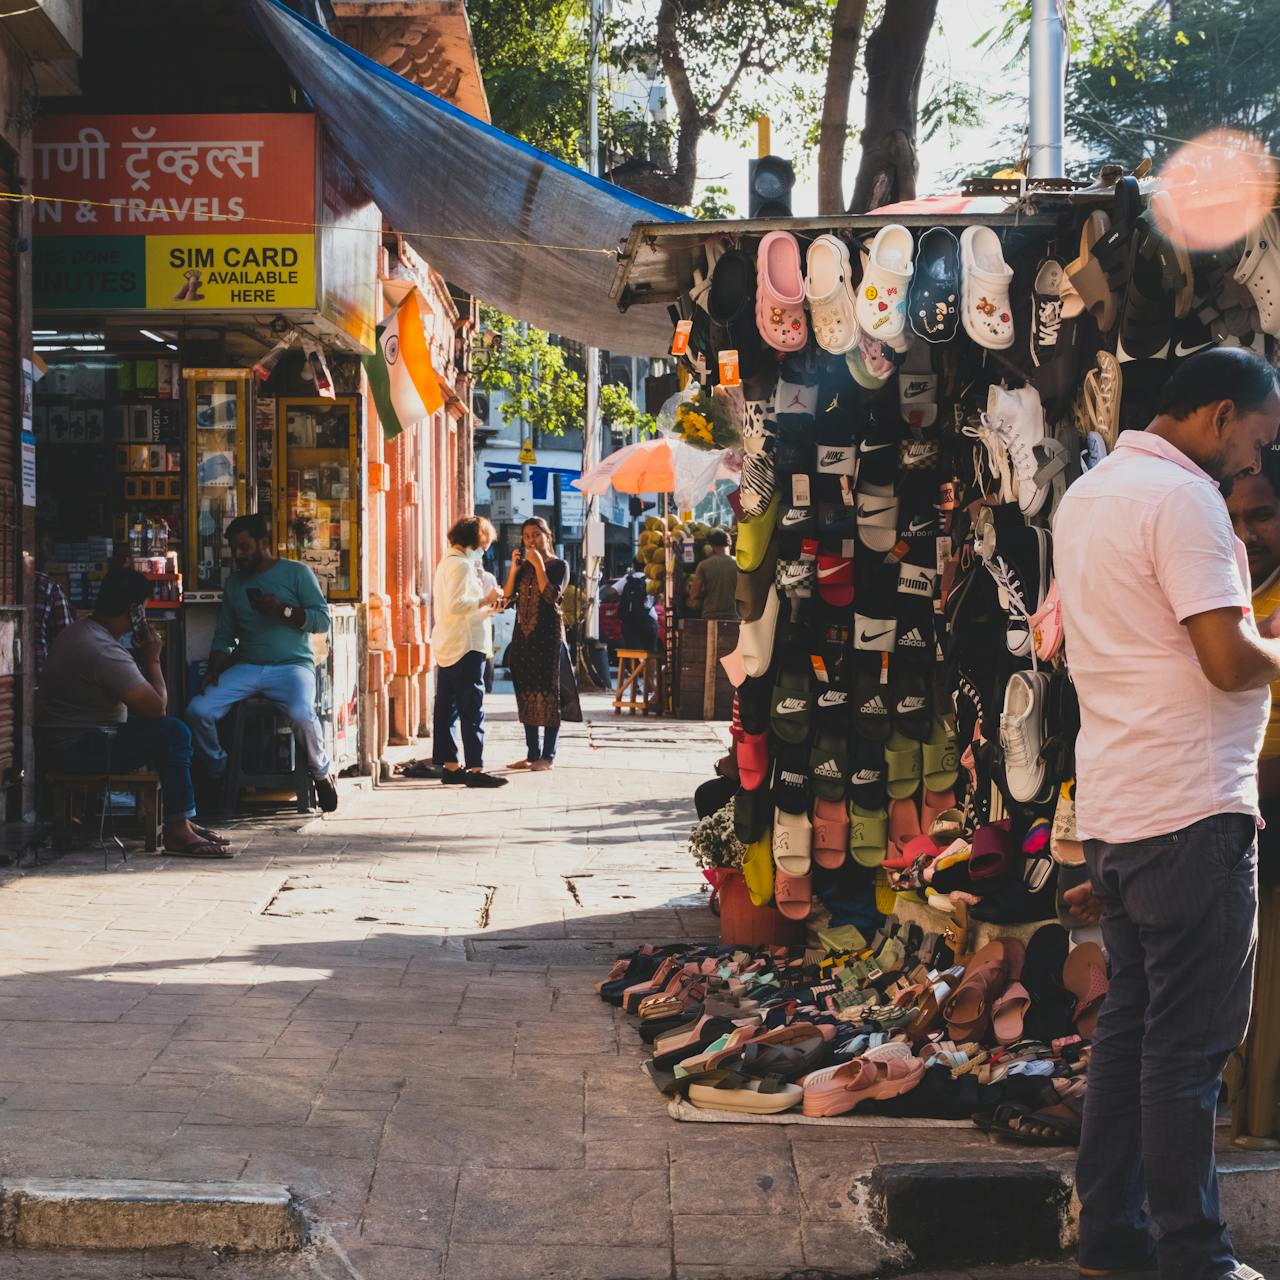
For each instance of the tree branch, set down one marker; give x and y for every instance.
(846, 33)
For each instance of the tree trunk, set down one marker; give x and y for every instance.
(895, 64)
(846, 33)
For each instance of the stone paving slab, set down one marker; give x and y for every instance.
(415, 1050)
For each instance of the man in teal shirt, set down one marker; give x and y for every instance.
(261, 646)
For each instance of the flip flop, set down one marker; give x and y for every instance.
(212, 836)
(747, 1097)
(829, 767)
(904, 824)
(199, 849)
(757, 869)
(792, 895)
(868, 836)
(941, 761)
(1085, 976)
(1089, 277)
(1009, 1012)
(1063, 1117)
(792, 846)
(968, 1011)
(934, 295)
(830, 833)
(904, 766)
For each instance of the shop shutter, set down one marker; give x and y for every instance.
(10, 498)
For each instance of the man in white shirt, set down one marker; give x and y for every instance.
(1172, 672)
(461, 645)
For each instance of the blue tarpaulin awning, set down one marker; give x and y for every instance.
(517, 228)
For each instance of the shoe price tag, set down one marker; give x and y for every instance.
(680, 342)
(899, 552)
(848, 494)
(943, 553)
(729, 373)
(884, 668)
(819, 668)
(799, 490)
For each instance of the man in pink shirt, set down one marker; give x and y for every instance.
(1172, 674)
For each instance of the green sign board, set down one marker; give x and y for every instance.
(98, 273)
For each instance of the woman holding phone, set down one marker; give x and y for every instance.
(535, 585)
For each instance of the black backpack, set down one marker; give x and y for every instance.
(633, 608)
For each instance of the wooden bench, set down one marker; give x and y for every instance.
(69, 791)
(639, 682)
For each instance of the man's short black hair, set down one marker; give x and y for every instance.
(121, 589)
(253, 524)
(718, 538)
(1222, 373)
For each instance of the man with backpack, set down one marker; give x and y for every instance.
(636, 612)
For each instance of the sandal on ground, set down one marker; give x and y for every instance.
(211, 836)
(751, 1097)
(200, 849)
(1063, 1119)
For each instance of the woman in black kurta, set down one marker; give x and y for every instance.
(536, 583)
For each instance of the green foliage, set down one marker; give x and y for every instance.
(714, 205)
(618, 412)
(533, 56)
(1139, 92)
(540, 386)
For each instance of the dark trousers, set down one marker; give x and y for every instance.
(162, 744)
(1180, 927)
(546, 750)
(460, 696)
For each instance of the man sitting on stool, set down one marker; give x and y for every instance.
(91, 684)
(261, 646)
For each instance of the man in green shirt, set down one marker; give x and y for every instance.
(261, 646)
(715, 580)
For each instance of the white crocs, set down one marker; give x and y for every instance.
(829, 287)
(1259, 271)
(984, 289)
(882, 295)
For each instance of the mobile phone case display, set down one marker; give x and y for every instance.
(219, 463)
(316, 515)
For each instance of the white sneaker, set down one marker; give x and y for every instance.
(987, 432)
(1022, 734)
(1018, 418)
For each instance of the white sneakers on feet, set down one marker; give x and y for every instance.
(1022, 734)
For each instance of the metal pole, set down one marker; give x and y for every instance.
(1048, 47)
(590, 434)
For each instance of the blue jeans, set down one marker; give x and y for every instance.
(1180, 927)
(163, 744)
(291, 686)
(547, 749)
(460, 696)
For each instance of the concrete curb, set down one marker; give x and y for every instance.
(73, 1213)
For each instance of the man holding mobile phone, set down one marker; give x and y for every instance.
(270, 607)
(100, 710)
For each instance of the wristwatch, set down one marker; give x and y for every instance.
(288, 613)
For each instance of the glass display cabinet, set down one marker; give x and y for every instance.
(219, 466)
(316, 516)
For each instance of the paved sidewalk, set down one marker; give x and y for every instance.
(390, 1010)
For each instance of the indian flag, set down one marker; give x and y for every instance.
(404, 385)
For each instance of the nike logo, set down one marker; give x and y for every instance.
(911, 704)
(1181, 349)
(791, 706)
(796, 402)
(872, 448)
(866, 513)
(914, 389)
(865, 777)
(835, 457)
(919, 524)
(864, 638)
(833, 698)
(794, 517)
(845, 566)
